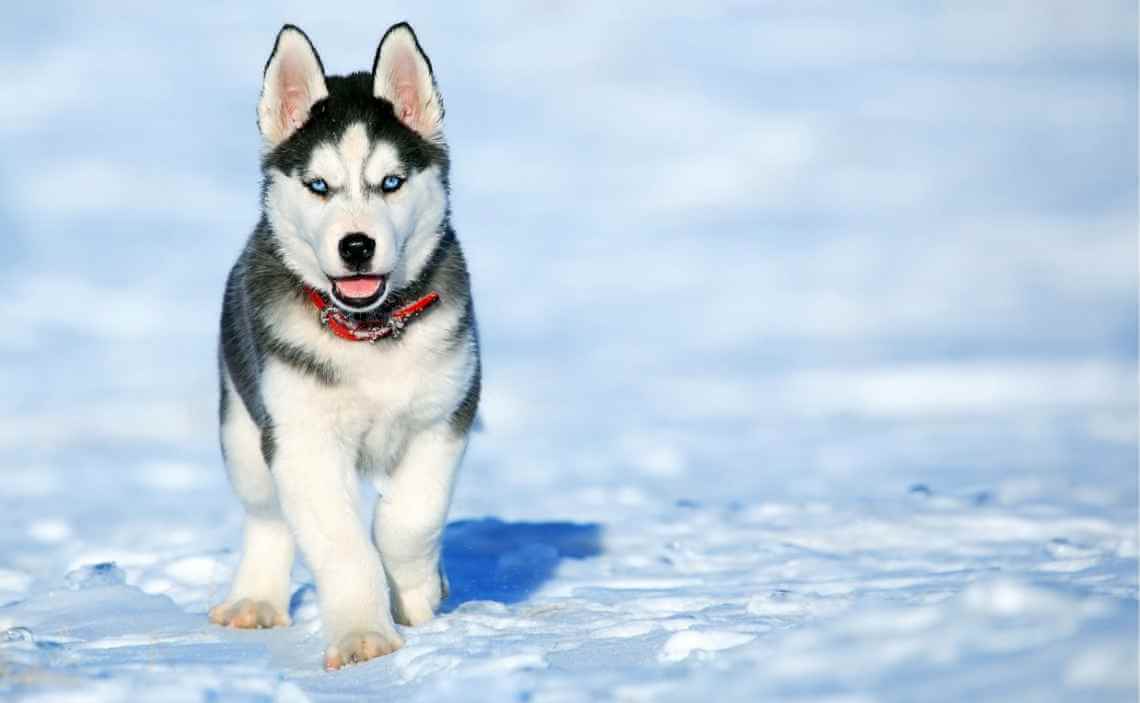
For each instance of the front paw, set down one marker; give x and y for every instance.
(415, 606)
(248, 613)
(356, 647)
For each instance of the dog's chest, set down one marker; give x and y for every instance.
(404, 382)
(385, 393)
(389, 397)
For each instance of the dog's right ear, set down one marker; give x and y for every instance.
(294, 80)
(401, 74)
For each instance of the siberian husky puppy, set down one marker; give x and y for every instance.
(348, 349)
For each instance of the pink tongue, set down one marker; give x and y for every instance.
(363, 287)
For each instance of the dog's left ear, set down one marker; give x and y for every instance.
(401, 74)
(294, 80)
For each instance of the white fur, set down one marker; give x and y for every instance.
(409, 521)
(315, 471)
(393, 411)
(267, 550)
(387, 417)
(405, 224)
(390, 410)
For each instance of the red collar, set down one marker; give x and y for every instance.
(367, 331)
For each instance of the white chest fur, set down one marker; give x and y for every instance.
(383, 394)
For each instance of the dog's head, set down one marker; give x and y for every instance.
(355, 167)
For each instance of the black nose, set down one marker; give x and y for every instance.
(356, 249)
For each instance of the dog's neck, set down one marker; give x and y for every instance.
(369, 330)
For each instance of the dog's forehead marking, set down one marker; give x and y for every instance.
(353, 146)
(355, 163)
(353, 150)
(342, 164)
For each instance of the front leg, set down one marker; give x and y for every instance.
(409, 521)
(314, 468)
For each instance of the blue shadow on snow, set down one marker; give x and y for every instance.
(506, 562)
(489, 559)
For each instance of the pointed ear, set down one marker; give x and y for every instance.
(401, 74)
(294, 80)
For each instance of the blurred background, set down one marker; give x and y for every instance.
(809, 330)
(720, 251)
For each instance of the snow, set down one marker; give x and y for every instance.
(810, 344)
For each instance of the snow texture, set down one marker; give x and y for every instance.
(810, 342)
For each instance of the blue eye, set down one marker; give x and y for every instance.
(391, 183)
(318, 186)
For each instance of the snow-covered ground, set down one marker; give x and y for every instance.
(810, 343)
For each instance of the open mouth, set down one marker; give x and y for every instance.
(358, 291)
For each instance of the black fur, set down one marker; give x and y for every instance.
(464, 416)
(260, 279)
(268, 444)
(350, 101)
